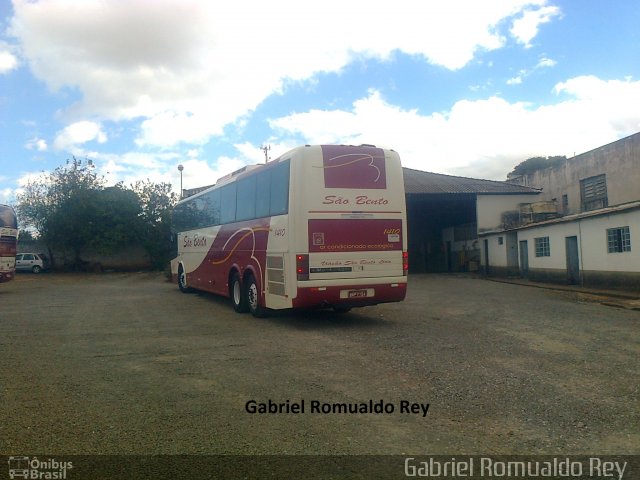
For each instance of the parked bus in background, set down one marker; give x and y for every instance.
(8, 243)
(319, 227)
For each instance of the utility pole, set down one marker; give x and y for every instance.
(265, 149)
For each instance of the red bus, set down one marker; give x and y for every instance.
(319, 227)
(8, 243)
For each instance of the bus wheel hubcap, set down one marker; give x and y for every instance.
(236, 292)
(253, 296)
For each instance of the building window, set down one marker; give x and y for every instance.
(543, 248)
(565, 204)
(500, 240)
(594, 192)
(618, 240)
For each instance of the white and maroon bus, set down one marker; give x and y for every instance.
(8, 243)
(319, 227)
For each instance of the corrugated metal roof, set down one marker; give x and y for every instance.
(417, 181)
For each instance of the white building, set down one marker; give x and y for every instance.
(583, 228)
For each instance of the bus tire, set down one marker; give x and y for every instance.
(182, 281)
(253, 297)
(238, 296)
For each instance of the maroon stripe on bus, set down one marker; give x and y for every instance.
(355, 235)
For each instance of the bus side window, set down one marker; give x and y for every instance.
(183, 217)
(280, 189)
(213, 207)
(228, 203)
(246, 208)
(263, 194)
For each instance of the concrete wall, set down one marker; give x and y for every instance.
(496, 251)
(620, 161)
(594, 243)
(554, 267)
(128, 259)
(597, 267)
(491, 207)
(502, 251)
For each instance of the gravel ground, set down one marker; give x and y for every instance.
(126, 364)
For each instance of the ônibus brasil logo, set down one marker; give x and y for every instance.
(34, 468)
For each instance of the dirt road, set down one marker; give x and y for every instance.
(126, 364)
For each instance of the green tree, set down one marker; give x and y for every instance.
(72, 211)
(56, 205)
(157, 202)
(534, 164)
(25, 236)
(115, 221)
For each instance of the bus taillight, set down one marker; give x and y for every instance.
(405, 263)
(302, 266)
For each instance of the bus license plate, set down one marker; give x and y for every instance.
(362, 293)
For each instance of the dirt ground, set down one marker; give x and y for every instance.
(126, 364)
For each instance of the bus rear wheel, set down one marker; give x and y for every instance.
(253, 297)
(238, 297)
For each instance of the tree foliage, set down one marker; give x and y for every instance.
(157, 201)
(534, 164)
(57, 205)
(72, 210)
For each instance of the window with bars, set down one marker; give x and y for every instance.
(593, 191)
(543, 247)
(618, 240)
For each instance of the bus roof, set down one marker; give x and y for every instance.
(235, 175)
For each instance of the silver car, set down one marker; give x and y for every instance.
(31, 262)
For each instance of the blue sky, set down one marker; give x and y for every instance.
(463, 87)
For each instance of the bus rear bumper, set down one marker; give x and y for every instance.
(359, 295)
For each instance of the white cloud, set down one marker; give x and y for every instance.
(7, 195)
(78, 133)
(254, 154)
(27, 177)
(546, 63)
(525, 28)
(481, 138)
(187, 68)
(163, 166)
(524, 73)
(169, 128)
(37, 144)
(8, 58)
(613, 104)
(8, 61)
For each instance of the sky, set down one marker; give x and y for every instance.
(462, 87)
